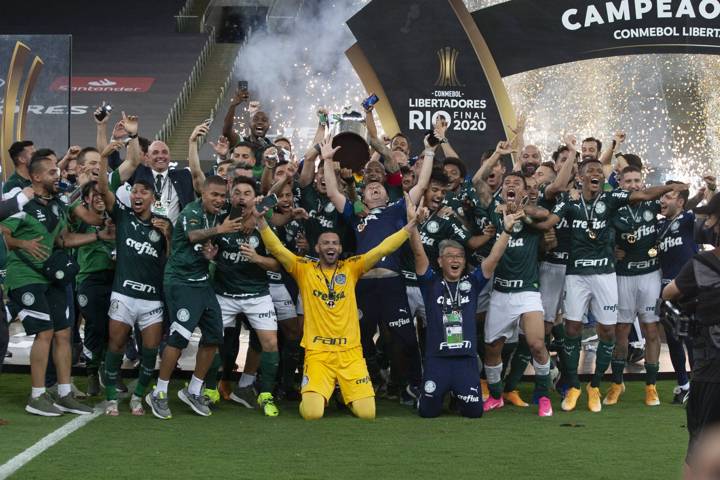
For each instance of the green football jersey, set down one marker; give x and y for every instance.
(323, 217)
(464, 197)
(641, 239)
(235, 274)
(518, 269)
(14, 185)
(288, 235)
(37, 219)
(187, 265)
(561, 252)
(591, 236)
(141, 253)
(436, 229)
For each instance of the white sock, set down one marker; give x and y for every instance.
(37, 392)
(493, 373)
(63, 389)
(162, 386)
(541, 369)
(246, 380)
(195, 385)
(686, 386)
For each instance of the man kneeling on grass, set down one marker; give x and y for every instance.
(450, 298)
(331, 335)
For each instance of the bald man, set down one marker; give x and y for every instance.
(173, 188)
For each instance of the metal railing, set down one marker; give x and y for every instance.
(181, 102)
(221, 93)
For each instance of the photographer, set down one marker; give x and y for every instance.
(697, 286)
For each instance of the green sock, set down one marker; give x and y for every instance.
(651, 371)
(496, 389)
(558, 333)
(290, 359)
(147, 370)
(618, 367)
(213, 373)
(603, 357)
(507, 352)
(268, 368)
(112, 369)
(570, 356)
(518, 364)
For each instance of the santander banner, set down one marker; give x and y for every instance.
(102, 84)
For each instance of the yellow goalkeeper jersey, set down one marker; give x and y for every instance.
(328, 295)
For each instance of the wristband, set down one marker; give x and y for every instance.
(508, 232)
(132, 136)
(97, 236)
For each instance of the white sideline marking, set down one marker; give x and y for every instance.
(19, 460)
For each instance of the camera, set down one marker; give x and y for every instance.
(673, 319)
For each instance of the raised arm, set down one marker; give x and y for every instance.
(307, 174)
(331, 184)
(480, 178)
(229, 122)
(416, 192)
(441, 127)
(491, 261)
(607, 155)
(101, 139)
(552, 220)
(103, 183)
(70, 155)
(394, 241)
(564, 176)
(421, 260)
(198, 177)
(287, 259)
(202, 235)
(518, 143)
(133, 159)
(378, 145)
(653, 193)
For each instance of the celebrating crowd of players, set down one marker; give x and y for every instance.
(394, 281)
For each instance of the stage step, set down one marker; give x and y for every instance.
(203, 99)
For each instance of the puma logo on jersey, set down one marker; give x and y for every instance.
(142, 247)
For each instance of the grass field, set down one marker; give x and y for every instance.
(629, 440)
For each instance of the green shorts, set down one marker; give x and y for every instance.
(40, 307)
(190, 307)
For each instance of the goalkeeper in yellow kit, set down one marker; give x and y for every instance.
(331, 336)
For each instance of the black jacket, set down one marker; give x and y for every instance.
(181, 181)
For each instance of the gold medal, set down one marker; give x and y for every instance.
(631, 238)
(591, 234)
(652, 253)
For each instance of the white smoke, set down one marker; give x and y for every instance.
(294, 72)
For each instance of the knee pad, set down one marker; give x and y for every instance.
(364, 408)
(312, 406)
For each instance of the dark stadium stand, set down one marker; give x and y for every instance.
(137, 40)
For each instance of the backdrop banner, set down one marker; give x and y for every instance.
(431, 57)
(29, 64)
